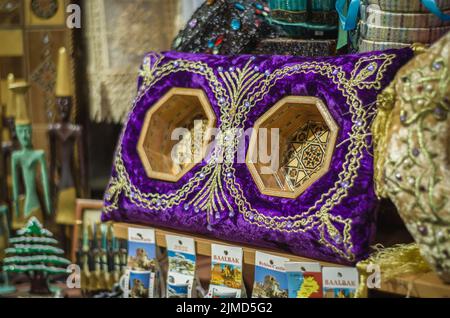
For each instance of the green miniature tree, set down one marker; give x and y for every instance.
(33, 253)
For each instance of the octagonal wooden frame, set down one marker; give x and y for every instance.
(208, 112)
(327, 119)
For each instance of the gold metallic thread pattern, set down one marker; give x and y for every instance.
(412, 142)
(241, 90)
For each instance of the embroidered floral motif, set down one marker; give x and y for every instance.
(243, 89)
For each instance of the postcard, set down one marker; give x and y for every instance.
(181, 273)
(141, 250)
(304, 280)
(339, 282)
(270, 276)
(226, 272)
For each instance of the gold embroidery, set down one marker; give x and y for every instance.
(413, 153)
(366, 67)
(236, 98)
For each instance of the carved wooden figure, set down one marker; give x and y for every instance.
(26, 161)
(65, 138)
(9, 142)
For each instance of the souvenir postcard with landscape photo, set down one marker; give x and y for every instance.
(270, 277)
(226, 272)
(182, 263)
(141, 250)
(181, 272)
(141, 284)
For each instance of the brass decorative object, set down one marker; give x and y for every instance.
(45, 12)
(44, 9)
(307, 136)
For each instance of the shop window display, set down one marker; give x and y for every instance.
(224, 149)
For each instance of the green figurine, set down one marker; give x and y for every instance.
(26, 159)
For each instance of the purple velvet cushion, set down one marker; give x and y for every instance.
(333, 220)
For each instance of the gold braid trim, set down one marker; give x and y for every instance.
(399, 260)
(380, 128)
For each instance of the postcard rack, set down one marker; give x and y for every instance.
(426, 285)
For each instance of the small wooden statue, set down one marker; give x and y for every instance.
(65, 137)
(26, 161)
(2, 164)
(9, 141)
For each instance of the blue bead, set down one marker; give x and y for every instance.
(259, 6)
(235, 24)
(239, 6)
(210, 44)
(345, 184)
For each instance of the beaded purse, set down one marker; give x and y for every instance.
(313, 197)
(412, 151)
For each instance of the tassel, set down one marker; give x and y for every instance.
(395, 261)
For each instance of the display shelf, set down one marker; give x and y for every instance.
(426, 285)
(203, 244)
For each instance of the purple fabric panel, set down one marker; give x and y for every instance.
(359, 205)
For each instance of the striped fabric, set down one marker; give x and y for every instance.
(372, 15)
(389, 24)
(403, 35)
(406, 5)
(302, 5)
(288, 5)
(367, 46)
